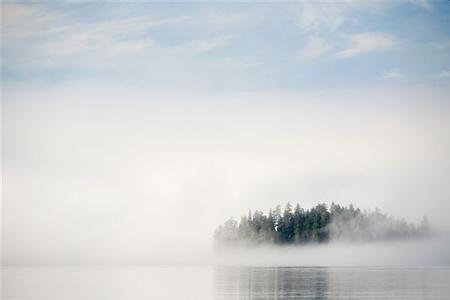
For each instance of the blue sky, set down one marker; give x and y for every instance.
(248, 46)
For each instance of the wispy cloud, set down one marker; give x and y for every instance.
(314, 48)
(443, 74)
(22, 22)
(391, 74)
(444, 45)
(330, 20)
(30, 21)
(104, 38)
(190, 43)
(49, 38)
(315, 17)
(425, 4)
(367, 42)
(207, 44)
(37, 37)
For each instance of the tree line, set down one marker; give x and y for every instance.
(317, 224)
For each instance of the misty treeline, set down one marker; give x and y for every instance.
(318, 224)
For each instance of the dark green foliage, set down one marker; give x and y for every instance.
(318, 224)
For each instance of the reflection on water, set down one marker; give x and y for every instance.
(270, 283)
(223, 283)
(322, 282)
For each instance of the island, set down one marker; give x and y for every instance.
(318, 224)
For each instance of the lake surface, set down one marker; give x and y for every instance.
(204, 282)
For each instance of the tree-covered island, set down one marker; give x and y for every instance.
(318, 224)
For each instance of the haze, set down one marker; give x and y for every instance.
(85, 183)
(129, 142)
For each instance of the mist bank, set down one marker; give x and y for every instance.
(175, 173)
(434, 251)
(428, 251)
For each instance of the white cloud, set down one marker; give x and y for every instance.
(320, 19)
(21, 22)
(314, 48)
(207, 44)
(367, 42)
(105, 38)
(392, 74)
(425, 4)
(444, 45)
(315, 17)
(35, 36)
(222, 20)
(443, 74)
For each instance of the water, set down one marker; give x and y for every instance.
(323, 282)
(222, 283)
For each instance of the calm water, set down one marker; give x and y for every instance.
(99, 283)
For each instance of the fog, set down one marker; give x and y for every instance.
(433, 251)
(114, 175)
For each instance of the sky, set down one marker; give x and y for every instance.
(131, 130)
